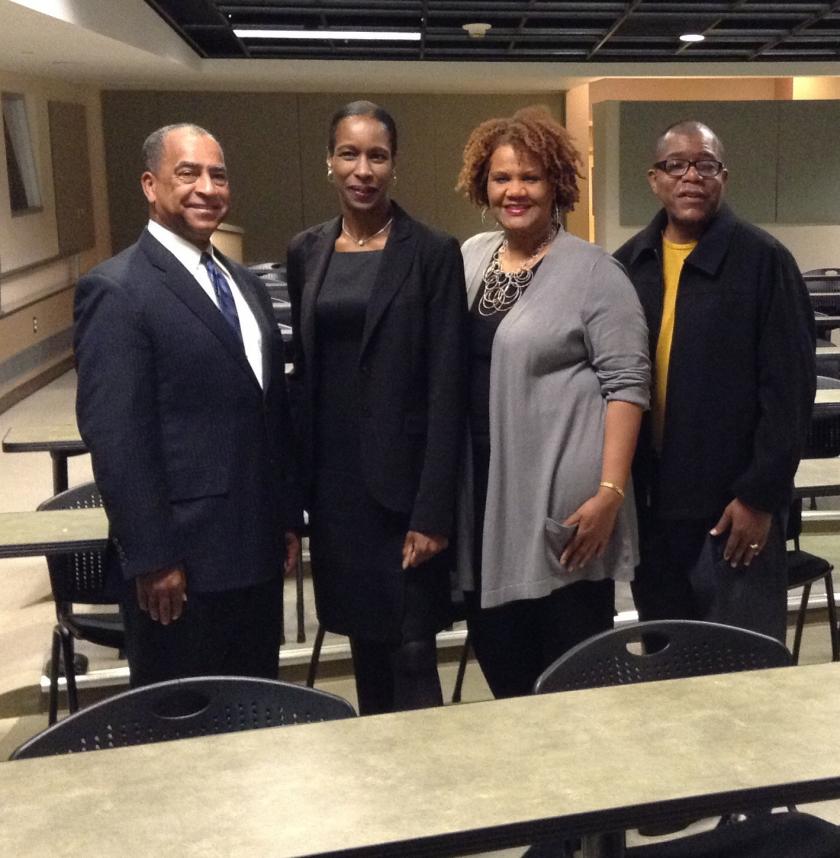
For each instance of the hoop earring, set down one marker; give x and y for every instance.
(329, 174)
(557, 217)
(394, 178)
(484, 215)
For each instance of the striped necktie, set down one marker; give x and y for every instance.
(223, 294)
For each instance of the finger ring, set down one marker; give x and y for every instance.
(754, 546)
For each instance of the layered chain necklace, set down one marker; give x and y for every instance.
(503, 288)
(363, 241)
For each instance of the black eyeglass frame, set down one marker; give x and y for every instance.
(660, 165)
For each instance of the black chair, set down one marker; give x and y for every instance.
(78, 578)
(777, 835)
(665, 649)
(181, 708)
(805, 569)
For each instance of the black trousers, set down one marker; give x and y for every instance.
(516, 642)
(400, 672)
(229, 633)
(682, 575)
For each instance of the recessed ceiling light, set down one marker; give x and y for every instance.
(692, 37)
(347, 35)
(476, 29)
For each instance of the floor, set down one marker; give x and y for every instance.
(27, 614)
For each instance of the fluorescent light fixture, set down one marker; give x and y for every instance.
(692, 37)
(358, 35)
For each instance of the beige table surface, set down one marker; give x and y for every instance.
(817, 477)
(29, 438)
(444, 781)
(26, 534)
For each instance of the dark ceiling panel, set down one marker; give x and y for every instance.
(550, 30)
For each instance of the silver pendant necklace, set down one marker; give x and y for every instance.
(363, 241)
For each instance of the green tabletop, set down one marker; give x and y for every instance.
(25, 534)
(442, 781)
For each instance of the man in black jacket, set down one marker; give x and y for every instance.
(732, 343)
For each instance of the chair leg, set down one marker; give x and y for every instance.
(54, 659)
(832, 617)
(301, 631)
(462, 669)
(69, 669)
(800, 622)
(316, 657)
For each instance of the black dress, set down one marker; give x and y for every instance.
(356, 544)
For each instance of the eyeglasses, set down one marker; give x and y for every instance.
(706, 168)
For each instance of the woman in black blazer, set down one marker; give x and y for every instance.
(378, 313)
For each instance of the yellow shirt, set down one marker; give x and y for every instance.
(673, 257)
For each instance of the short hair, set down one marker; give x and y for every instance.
(689, 126)
(153, 145)
(533, 130)
(363, 108)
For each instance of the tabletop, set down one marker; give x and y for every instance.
(443, 781)
(27, 534)
(38, 438)
(817, 478)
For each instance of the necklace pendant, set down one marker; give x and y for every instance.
(361, 242)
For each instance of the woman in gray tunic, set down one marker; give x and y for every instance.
(559, 378)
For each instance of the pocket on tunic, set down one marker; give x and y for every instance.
(557, 537)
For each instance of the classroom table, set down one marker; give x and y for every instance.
(33, 533)
(825, 323)
(817, 478)
(60, 441)
(827, 402)
(445, 781)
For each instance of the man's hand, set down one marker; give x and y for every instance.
(162, 593)
(292, 552)
(748, 529)
(420, 547)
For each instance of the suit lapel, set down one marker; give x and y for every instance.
(397, 259)
(318, 258)
(185, 287)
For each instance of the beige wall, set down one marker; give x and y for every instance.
(275, 146)
(35, 340)
(814, 246)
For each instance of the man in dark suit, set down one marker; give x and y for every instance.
(732, 344)
(181, 401)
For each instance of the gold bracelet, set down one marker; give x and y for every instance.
(608, 485)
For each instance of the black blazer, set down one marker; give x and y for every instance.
(411, 370)
(191, 455)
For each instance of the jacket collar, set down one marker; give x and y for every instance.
(711, 248)
(396, 262)
(176, 278)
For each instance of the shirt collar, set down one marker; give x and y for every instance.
(185, 252)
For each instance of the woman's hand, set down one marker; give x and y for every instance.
(595, 520)
(420, 547)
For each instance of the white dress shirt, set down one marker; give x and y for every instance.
(190, 257)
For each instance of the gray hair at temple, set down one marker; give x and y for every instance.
(689, 126)
(153, 144)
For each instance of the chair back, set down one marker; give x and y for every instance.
(181, 708)
(662, 649)
(79, 576)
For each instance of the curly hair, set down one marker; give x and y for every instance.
(533, 130)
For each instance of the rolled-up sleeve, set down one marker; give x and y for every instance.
(616, 334)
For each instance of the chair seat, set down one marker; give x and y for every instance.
(777, 835)
(99, 628)
(805, 568)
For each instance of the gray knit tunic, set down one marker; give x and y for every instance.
(575, 339)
